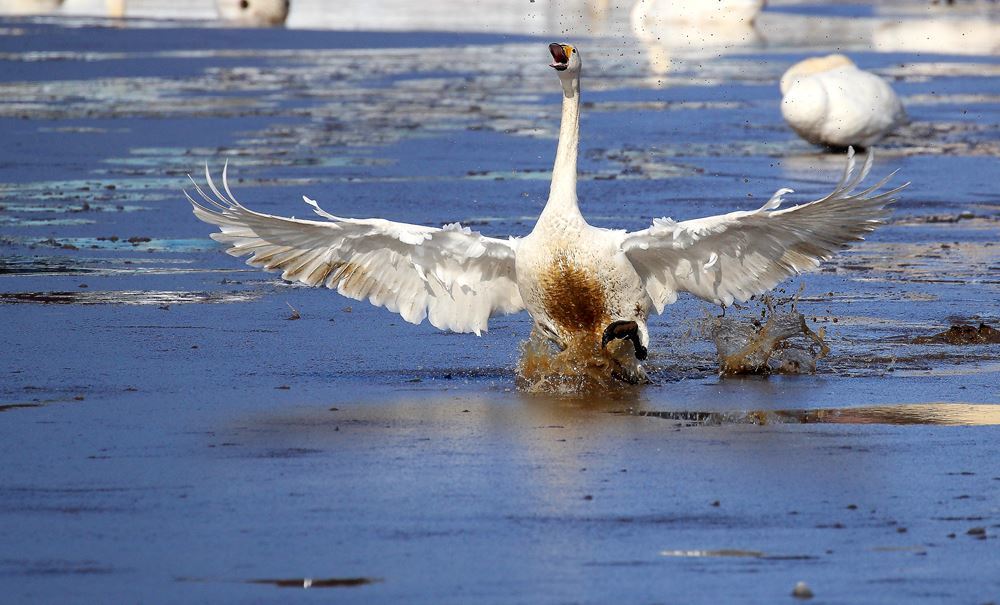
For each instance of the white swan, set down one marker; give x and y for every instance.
(116, 9)
(702, 14)
(28, 7)
(253, 12)
(829, 101)
(678, 31)
(575, 280)
(961, 36)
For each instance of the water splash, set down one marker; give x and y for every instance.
(773, 339)
(582, 367)
(778, 341)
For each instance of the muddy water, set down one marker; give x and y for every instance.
(777, 339)
(168, 434)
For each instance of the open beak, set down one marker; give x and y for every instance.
(560, 58)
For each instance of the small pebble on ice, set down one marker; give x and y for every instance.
(802, 591)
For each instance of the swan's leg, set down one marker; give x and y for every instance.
(625, 330)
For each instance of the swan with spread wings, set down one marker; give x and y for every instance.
(574, 279)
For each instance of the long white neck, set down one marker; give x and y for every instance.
(562, 194)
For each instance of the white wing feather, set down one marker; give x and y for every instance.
(734, 256)
(454, 277)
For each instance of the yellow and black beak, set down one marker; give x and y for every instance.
(560, 55)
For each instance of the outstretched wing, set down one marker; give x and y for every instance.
(453, 276)
(734, 256)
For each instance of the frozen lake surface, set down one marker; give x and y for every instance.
(169, 435)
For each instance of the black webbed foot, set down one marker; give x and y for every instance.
(622, 330)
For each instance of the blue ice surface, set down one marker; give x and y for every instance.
(406, 455)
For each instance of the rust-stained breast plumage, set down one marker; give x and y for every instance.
(574, 298)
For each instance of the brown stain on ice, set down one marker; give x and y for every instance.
(573, 297)
(963, 334)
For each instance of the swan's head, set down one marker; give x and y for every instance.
(565, 59)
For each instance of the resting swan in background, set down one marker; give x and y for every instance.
(701, 14)
(829, 101)
(253, 12)
(578, 282)
(28, 7)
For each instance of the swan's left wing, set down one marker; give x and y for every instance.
(454, 277)
(734, 256)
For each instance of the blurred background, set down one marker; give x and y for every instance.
(962, 26)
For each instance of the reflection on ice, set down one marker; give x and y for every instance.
(951, 414)
(958, 414)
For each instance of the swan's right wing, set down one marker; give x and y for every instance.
(454, 277)
(734, 256)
